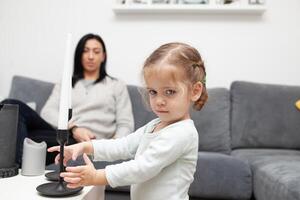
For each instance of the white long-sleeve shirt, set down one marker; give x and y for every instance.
(164, 162)
(104, 108)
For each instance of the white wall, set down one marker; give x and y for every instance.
(235, 47)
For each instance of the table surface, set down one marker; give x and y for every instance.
(24, 187)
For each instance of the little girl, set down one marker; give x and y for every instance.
(164, 151)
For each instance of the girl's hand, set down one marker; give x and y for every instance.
(84, 175)
(70, 152)
(83, 134)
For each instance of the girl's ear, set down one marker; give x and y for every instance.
(196, 91)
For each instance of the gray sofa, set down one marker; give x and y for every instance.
(249, 140)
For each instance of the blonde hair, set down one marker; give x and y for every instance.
(186, 57)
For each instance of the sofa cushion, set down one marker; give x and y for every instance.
(212, 122)
(30, 90)
(220, 176)
(264, 116)
(276, 173)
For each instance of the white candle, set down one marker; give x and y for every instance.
(70, 77)
(65, 93)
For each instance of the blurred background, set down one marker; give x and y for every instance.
(260, 48)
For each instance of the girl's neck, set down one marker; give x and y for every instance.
(160, 126)
(163, 124)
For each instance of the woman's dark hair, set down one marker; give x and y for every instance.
(78, 68)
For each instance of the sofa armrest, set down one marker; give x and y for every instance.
(30, 90)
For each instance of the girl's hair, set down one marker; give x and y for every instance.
(78, 68)
(186, 57)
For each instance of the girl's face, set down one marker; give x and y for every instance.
(170, 98)
(92, 56)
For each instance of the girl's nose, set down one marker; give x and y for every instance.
(160, 101)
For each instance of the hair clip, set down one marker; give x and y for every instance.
(203, 81)
(197, 65)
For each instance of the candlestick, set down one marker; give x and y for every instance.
(59, 189)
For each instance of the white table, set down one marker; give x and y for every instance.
(24, 187)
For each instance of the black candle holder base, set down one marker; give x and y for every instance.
(52, 176)
(57, 189)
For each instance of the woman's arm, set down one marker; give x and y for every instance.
(124, 116)
(50, 110)
(81, 134)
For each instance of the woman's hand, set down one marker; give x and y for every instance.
(84, 175)
(72, 151)
(82, 134)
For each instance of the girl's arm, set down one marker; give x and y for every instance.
(117, 149)
(164, 150)
(109, 150)
(50, 110)
(124, 116)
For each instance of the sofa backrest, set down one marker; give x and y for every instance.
(141, 114)
(264, 116)
(30, 90)
(212, 122)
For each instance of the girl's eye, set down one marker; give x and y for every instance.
(170, 92)
(152, 92)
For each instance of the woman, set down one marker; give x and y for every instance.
(101, 104)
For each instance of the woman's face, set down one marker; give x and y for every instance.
(92, 56)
